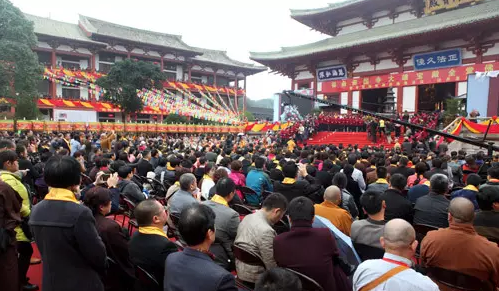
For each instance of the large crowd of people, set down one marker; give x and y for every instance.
(206, 212)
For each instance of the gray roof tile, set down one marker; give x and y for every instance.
(460, 17)
(50, 27)
(221, 57)
(330, 7)
(96, 26)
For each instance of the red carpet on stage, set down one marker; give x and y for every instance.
(346, 138)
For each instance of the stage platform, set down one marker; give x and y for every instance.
(346, 138)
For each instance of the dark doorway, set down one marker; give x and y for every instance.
(432, 97)
(372, 100)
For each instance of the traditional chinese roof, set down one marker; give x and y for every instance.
(297, 13)
(99, 27)
(221, 57)
(53, 28)
(480, 13)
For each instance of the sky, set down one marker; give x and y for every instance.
(237, 27)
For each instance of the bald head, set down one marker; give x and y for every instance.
(462, 210)
(333, 194)
(398, 233)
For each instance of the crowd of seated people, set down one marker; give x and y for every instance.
(238, 218)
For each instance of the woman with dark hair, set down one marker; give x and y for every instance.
(98, 199)
(25, 164)
(206, 183)
(347, 201)
(237, 176)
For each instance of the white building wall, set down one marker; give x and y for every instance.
(75, 115)
(44, 45)
(386, 64)
(120, 48)
(153, 53)
(97, 62)
(344, 101)
(58, 89)
(84, 64)
(467, 54)
(452, 43)
(405, 16)
(83, 51)
(65, 48)
(493, 50)
(419, 49)
(319, 86)
(329, 63)
(409, 101)
(462, 88)
(364, 67)
(118, 58)
(204, 79)
(349, 21)
(396, 94)
(352, 28)
(383, 21)
(304, 75)
(356, 99)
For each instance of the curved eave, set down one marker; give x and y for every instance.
(300, 14)
(90, 43)
(487, 12)
(187, 52)
(251, 69)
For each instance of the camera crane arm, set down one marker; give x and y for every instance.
(489, 146)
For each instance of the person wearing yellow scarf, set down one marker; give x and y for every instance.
(61, 215)
(150, 243)
(470, 191)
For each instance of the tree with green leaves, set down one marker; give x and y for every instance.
(20, 71)
(248, 115)
(125, 78)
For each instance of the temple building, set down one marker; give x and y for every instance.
(425, 50)
(75, 55)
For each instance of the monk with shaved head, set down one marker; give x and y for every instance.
(459, 248)
(332, 211)
(393, 272)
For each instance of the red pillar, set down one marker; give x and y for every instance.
(92, 67)
(128, 54)
(244, 96)
(215, 78)
(162, 64)
(189, 76)
(92, 62)
(53, 88)
(235, 90)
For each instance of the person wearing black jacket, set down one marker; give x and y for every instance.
(397, 206)
(402, 168)
(73, 254)
(149, 246)
(25, 164)
(144, 166)
(291, 188)
(325, 177)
